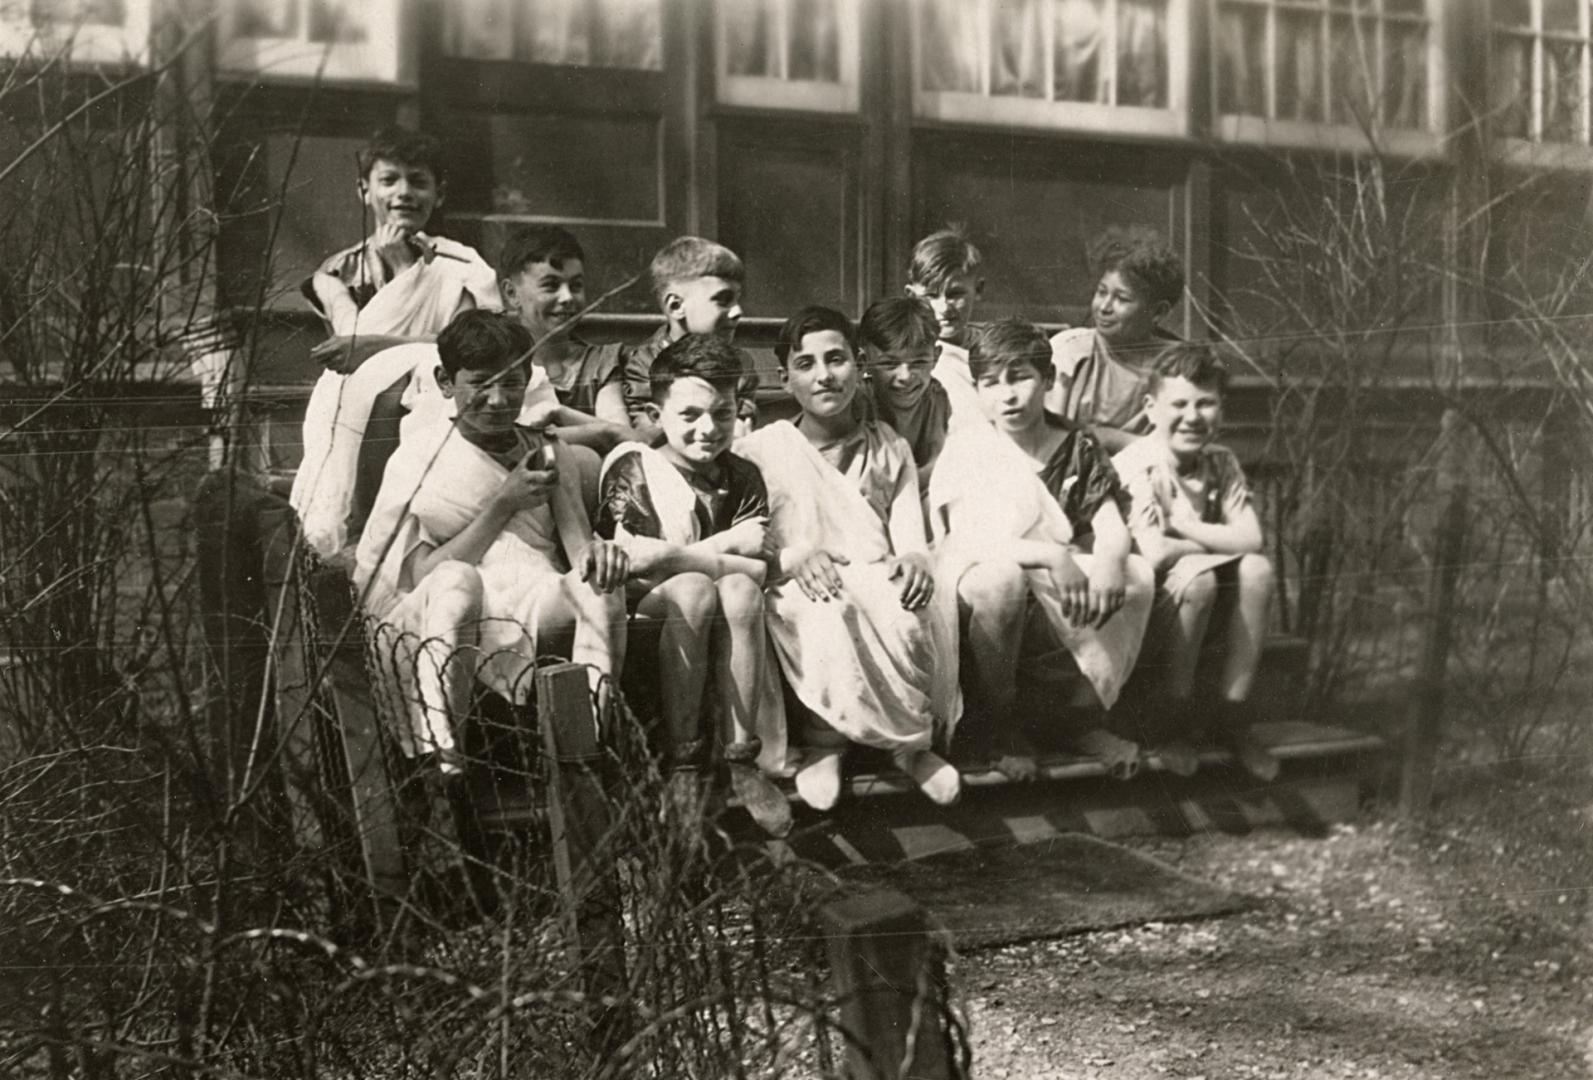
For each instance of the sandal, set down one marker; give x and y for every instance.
(1121, 757)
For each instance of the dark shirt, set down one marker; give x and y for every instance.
(586, 370)
(1080, 477)
(638, 370)
(733, 494)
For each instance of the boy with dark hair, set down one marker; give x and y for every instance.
(1193, 519)
(899, 336)
(1027, 511)
(697, 284)
(398, 284)
(944, 272)
(1102, 369)
(481, 535)
(852, 608)
(542, 276)
(693, 517)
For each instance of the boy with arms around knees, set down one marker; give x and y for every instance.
(1193, 519)
(899, 337)
(1102, 369)
(473, 504)
(398, 284)
(1029, 519)
(865, 639)
(944, 273)
(697, 284)
(693, 517)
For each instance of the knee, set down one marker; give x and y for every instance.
(740, 599)
(457, 586)
(1256, 576)
(991, 586)
(1201, 592)
(1139, 580)
(692, 598)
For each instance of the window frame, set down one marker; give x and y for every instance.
(1246, 130)
(22, 38)
(386, 59)
(1533, 150)
(777, 92)
(1085, 117)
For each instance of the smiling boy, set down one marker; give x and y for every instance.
(899, 337)
(1102, 370)
(944, 273)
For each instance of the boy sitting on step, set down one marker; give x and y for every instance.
(944, 273)
(899, 339)
(693, 517)
(1192, 518)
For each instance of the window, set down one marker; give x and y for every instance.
(95, 31)
(582, 33)
(1539, 73)
(788, 54)
(332, 40)
(1089, 65)
(1329, 72)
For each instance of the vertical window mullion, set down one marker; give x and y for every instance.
(1584, 120)
(987, 41)
(782, 40)
(1537, 70)
(1048, 41)
(1269, 40)
(1325, 64)
(1109, 52)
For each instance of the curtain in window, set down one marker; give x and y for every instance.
(1241, 69)
(815, 37)
(1512, 85)
(751, 37)
(1017, 57)
(949, 45)
(1079, 74)
(266, 18)
(604, 33)
(1405, 76)
(1142, 53)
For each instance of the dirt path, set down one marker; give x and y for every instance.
(1457, 951)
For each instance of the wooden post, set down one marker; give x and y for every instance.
(578, 818)
(887, 971)
(1426, 732)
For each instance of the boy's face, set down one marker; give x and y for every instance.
(698, 421)
(822, 374)
(487, 405)
(1013, 396)
(545, 297)
(705, 305)
(1123, 314)
(953, 303)
(1183, 415)
(901, 377)
(401, 194)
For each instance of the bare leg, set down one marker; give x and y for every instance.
(738, 650)
(1186, 634)
(445, 664)
(1247, 629)
(686, 604)
(991, 598)
(587, 626)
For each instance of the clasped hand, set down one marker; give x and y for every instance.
(1088, 600)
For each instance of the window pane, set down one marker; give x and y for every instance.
(266, 18)
(1080, 32)
(1562, 91)
(1412, 7)
(1241, 71)
(949, 34)
(480, 29)
(1352, 71)
(815, 38)
(1299, 67)
(1405, 75)
(750, 37)
(1142, 53)
(1559, 16)
(336, 20)
(605, 33)
(1017, 49)
(1513, 12)
(87, 12)
(1512, 85)
(627, 34)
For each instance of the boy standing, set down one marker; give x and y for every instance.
(698, 287)
(693, 518)
(1102, 370)
(851, 611)
(1193, 519)
(944, 273)
(899, 340)
(1036, 548)
(481, 535)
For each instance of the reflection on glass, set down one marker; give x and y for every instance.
(1142, 53)
(1512, 85)
(1241, 71)
(750, 37)
(1404, 75)
(1017, 49)
(479, 29)
(949, 39)
(1299, 71)
(1560, 17)
(814, 31)
(340, 21)
(1562, 91)
(1080, 39)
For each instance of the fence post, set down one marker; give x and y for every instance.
(578, 818)
(1426, 732)
(888, 972)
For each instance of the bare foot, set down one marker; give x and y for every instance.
(1179, 758)
(1014, 757)
(758, 795)
(931, 773)
(819, 781)
(1120, 756)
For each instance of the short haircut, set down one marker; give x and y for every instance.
(708, 357)
(811, 320)
(1141, 255)
(480, 340)
(403, 146)
(539, 243)
(899, 324)
(687, 257)
(1191, 360)
(941, 256)
(999, 345)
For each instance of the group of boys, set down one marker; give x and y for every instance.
(942, 509)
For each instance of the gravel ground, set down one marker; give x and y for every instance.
(1456, 950)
